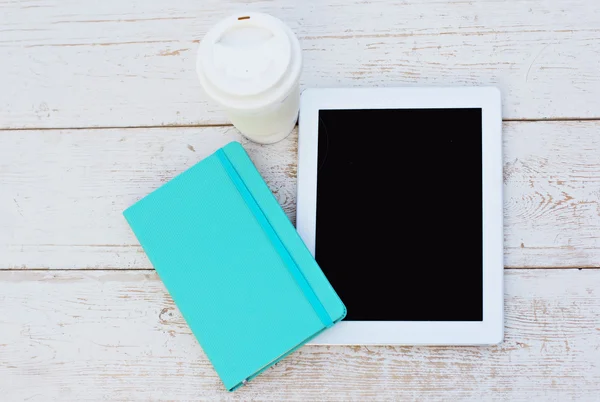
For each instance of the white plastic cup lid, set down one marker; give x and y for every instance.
(249, 60)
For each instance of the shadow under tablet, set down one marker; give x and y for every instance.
(399, 212)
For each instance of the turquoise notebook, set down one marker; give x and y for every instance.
(235, 266)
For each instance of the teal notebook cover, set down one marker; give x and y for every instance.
(235, 266)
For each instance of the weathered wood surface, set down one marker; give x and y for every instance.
(116, 335)
(93, 329)
(132, 63)
(63, 192)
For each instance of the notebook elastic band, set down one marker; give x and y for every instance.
(293, 268)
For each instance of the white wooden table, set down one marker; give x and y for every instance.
(99, 104)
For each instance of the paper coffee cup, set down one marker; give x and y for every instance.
(250, 64)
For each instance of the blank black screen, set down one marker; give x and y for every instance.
(399, 212)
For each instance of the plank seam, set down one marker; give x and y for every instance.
(550, 119)
(580, 268)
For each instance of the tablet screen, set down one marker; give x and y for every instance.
(399, 212)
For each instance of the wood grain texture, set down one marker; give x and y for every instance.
(72, 335)
(552, 194)
(69, 64)
(63, 192)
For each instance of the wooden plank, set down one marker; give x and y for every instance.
(62, 192)
(72, 335)
(551, 197)
(115, 63)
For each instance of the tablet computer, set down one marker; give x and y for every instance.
(400, 202)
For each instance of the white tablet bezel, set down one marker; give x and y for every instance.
(486, 332)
